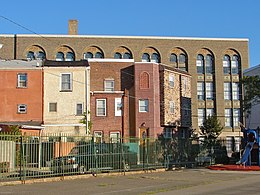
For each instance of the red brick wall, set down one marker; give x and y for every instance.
(152, 117)
(11, 96)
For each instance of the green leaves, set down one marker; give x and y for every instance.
(252, 92)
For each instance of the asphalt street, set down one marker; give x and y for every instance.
(187, 181)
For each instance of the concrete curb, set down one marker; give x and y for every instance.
(73, 177)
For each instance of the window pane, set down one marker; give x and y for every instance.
(79, 109)
(60, 56)
(236, 117)
(200, 64)
(209, 90)
(22, 108)
(226, 64)
(235, 91)
(70, 56)
(30, 55)
(117, 55)
(118, 107)
(227, 91)
(172, 107)
(109, 85)
(171, 80)
(99, 55)
(155, 58)
(127, 56)
(146, 57)
(66, 82)
(200, 90)
(22, 80)
(101, 107)
(209, 64)
(52, 107)
(228, 117)
(143, 105)
(114, 137)
(41, 55)
(173, 58)
(201, 116)
(235, 64)
(88, 55)
(182, 59)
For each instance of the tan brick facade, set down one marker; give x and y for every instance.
(17, 46)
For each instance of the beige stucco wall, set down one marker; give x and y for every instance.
(65, 119)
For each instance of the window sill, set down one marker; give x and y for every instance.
(70, 90)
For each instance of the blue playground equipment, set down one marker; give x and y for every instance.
(251, 154)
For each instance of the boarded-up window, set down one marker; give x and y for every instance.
(144, 80)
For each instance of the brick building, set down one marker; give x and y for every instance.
(215, 64)
(21, 95)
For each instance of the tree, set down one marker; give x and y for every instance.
(211, 129)
(83, 121)
(252, 92)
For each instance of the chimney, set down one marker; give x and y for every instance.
(73, 27)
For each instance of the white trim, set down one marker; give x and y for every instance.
(109, 60)
(32, 127)
(64, 73)
(102, 99)
(126, 37)
(109, 92)
(64, 125)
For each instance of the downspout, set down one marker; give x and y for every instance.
(15, 46)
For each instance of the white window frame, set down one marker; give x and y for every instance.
(50, 107)
(209, 112)
(109, 88)
(98, 136)
(200, 91)
(118, 106)
(114, 136)
(236, 117)
(228, 118)
(227, 91)
(103, 108)
(171, 80)
(209, 90)
(143, 105)
(70, 82)
(201, 116)
(22, 108)
(77, 110)
(172, 108)
(235, 91)
(22, 83)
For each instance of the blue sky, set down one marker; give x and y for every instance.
(180, 18)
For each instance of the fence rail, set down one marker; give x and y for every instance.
(27, 157)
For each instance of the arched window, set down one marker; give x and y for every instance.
(209, 64)
(117, 55)
(182, 59)
(200, 64)
(173, 58)
(70, 56)
(127, 56)
(144, 80)
(88, 55)
(155, 58)
(235, 64)
(99, 55)
(145, 57)
(41, 55)
(226, 64)
(60, 56)
(30, 55)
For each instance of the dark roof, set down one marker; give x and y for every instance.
(165, 67)
(65, 63)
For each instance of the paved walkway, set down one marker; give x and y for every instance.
(187, 181)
